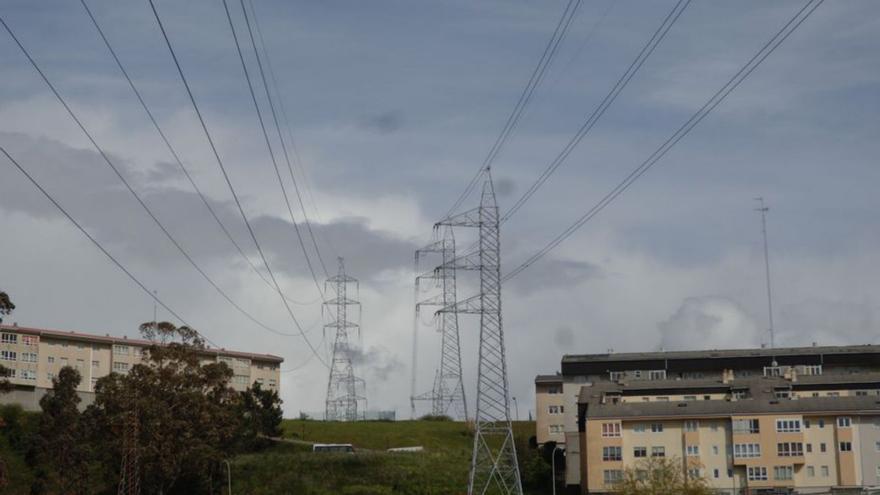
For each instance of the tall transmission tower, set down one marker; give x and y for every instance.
(129, 473)
(343, 395)
(447, 396)
(494, 462)
(763, 210)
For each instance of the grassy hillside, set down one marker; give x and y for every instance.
(441, 469)
(292, 468)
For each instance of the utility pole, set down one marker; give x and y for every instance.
(494, 464)
(763, 210)
(342, 388)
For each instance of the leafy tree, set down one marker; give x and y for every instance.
(186, 411)
(61, 446)
(661, 476)
(260, 415)
(6, 307)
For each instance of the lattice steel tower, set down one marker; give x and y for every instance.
(129, 472)
(494, 462)
(342, 390)
(447, 396)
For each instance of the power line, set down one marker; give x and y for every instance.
(128, 186)
(680, 133)
(97, 244)
(606, 102)
(253, 94)
(524, 98)
(173, 152)
(228, 180)
(281, 138)
(297, 159)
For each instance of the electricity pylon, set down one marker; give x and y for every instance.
(494, 462)
(447, 396)
(342, 388)
(129, 473)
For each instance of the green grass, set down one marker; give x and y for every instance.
(291, 468)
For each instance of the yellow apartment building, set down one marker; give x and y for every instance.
(34, 357)
(758, 421)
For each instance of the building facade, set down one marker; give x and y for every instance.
(34, 357)
(795, 420)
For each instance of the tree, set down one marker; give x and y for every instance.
(661, 476)
(61, 446)
(260, 414)
(6, 307)
(186, 412)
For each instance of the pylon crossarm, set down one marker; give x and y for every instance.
(470, 218)
(471, 305)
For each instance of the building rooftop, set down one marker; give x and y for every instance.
(720, 353)
(703, 408)
(107, 339)
(548, 379)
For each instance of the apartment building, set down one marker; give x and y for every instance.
(794, 420)
(34, 357)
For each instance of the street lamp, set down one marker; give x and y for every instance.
(553, 463)
(228, 477)
(516, 408)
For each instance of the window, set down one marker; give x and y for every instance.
(610, 430)
(811, 472)
(833, 394)
(612, 476)
(8, 338)
(692, 450)
(877, 446)
(878, 471)
(844, 422)
(716, 474)
(846, 446)
(861, 393)
(94, 383)
(806, 423)
(8, 355)
(63, 362)
(553, 409)
(812, 370)
(80, 364)
(30, 339)
(615, 376)
(662, 399)
(28, 375)
(555, 428)
(50, 359)
(822, 447)
(555, 389)
(747, 450)
(742, 393)
(757, 473)
(775, 371)
(693, 473)
(783, 472)
(691, 425)
(788, 425)
(120, 367)
(122, 350)
(658, 451)
(821, 423)
(656, 427)
(690, 397)
(639, 428)
(782, 393)
(824, 471)
(715, 450)
(657, 375)
(637, 373)
(714, 427)
(29, 357)
(790, 449)
(612, 454)
(809, 447)
(746, 426)
(272, 383)
(96, 364)
(9, 373)
(640, 452)
(50, 376)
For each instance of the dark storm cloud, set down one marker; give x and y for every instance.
(383, 123)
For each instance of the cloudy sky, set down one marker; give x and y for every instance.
(393, 105)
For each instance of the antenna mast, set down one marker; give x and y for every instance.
(763, 210)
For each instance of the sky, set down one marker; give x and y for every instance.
(392, 107)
